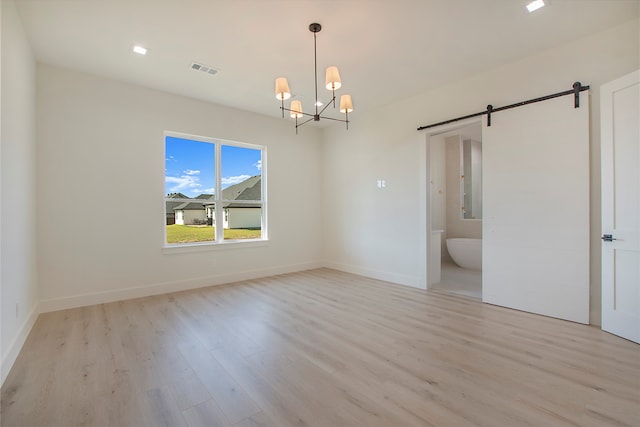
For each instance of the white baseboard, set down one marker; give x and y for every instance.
(10, 356)
(400, 279)
(83, 300)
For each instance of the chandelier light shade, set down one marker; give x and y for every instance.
(296, 109)
(346, 106)
(333, 78)
(332, 83)
(282, 89)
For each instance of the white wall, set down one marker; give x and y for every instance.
(18, 278)
(101, 147)
(244, 218)
(187, 216)
(383, 233)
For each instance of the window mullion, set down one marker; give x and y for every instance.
(263, 194)
(218, 196)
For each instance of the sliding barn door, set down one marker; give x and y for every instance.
(536, 208)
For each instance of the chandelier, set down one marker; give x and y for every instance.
(332, 83)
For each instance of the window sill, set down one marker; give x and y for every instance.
(208, 247)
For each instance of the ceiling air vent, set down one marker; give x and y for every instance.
(204, 68)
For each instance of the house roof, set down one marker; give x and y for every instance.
(186, 206)
(177, 196)
(189, 206)
(171, 206)
(249, 189)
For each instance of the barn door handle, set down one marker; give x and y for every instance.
(608, 238)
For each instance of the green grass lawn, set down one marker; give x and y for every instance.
(200, 233)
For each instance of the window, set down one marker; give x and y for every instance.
(214, 190)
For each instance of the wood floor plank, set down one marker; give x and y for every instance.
(318, 348)
(162, 410)
(257, 420)
(227, 393)
(277, 403)
(206, 414)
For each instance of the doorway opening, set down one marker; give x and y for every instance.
(455, 209)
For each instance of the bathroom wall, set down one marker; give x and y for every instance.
(455, 225)
(472, 160)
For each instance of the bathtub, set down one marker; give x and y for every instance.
(466, 253)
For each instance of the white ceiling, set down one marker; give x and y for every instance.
(385, 49)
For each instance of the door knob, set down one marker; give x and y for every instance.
(608, 238)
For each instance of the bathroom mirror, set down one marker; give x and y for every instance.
(471, 182)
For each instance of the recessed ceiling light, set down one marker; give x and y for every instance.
(535, 5)
(319, 104)
(139, 49)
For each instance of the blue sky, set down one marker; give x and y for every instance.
(189, 166)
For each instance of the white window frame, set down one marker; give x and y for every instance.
(218, 201)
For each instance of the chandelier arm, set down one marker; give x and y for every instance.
(334, 119)
(333, 100)
(299, 112)
(304, 123)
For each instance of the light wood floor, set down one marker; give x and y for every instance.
(318, 348)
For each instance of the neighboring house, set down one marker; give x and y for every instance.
(236, 212)
(206, 217)
(170, 206)
(186, 212)
(240, 215)
(203, 197)
(190, 213)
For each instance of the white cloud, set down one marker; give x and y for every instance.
(258, 165)
(231, 180)
(182, 184)
(188, 183)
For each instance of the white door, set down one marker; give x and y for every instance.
(620, 118)
(536, 209)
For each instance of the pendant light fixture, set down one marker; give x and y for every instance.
(332, 83)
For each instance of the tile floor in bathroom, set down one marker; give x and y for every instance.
(460, 280)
